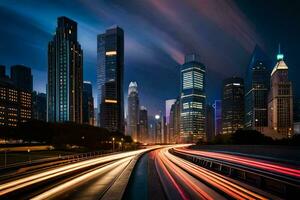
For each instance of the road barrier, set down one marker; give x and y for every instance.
(281, 185)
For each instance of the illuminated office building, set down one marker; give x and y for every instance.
(65, 74)
(192, 100)
(280, 105)
(15, 103)
(232, 105)
(110, 67)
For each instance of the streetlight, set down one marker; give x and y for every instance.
(29, 159)
(113, 143)
(122, 140)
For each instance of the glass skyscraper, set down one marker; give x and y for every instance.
(110, 67)
(192, 100)
(257, 86)
(65, 71)
(232, 105)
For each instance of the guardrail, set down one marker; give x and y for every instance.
(277, 184)
(69, 158)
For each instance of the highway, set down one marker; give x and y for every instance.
(94, 177)
(159, 172)
(194, 182)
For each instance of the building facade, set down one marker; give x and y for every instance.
(133, 112)
(296, 112)
(110, 70)
(232, 105)
(87, 104)
(257, 86)
(192, 100)
(39, 106)
(280, 105)
(174, 122)
(15, 103)
(143, 125)
(210, 122)
(21, 77)
(218, 116)
(65, 74)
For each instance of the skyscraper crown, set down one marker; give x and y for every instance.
(280, 65)
(132, 87)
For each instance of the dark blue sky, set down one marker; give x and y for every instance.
(157, 35)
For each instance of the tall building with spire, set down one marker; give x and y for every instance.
(280, 106)
(65, 74)
(192, 100)
(257, 85)
(110, 70)
(133, 112)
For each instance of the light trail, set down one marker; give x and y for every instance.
(120, 164)
(178, 167)
(214, 179)
(39, 177)
(260, 164)
(165, 163)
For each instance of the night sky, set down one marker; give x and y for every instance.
(158, 33)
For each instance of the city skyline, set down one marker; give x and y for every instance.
(137, 66)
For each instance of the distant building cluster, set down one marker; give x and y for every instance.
(263, 100)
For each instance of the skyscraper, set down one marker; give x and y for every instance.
(218, 117)
(15, 103)
(232, 105)
(143, 125)
(110, 67)
(192, 100)
(210, 122)
(280, 105)
(39, 106)
(168, 105)
(257, 86)
(174, 122)
(87, 103)
(65, 74)
(21, 77)
(133, 112)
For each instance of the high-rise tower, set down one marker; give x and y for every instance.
(192, 100)
(87, 103)
(257, 86)
(110, 67)
(280, 105)
(65, 72)
(133, 111)
(232, 105)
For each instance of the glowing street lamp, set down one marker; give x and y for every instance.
(113, 143)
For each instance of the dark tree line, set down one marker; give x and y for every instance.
(252, 137)
(62, 134)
